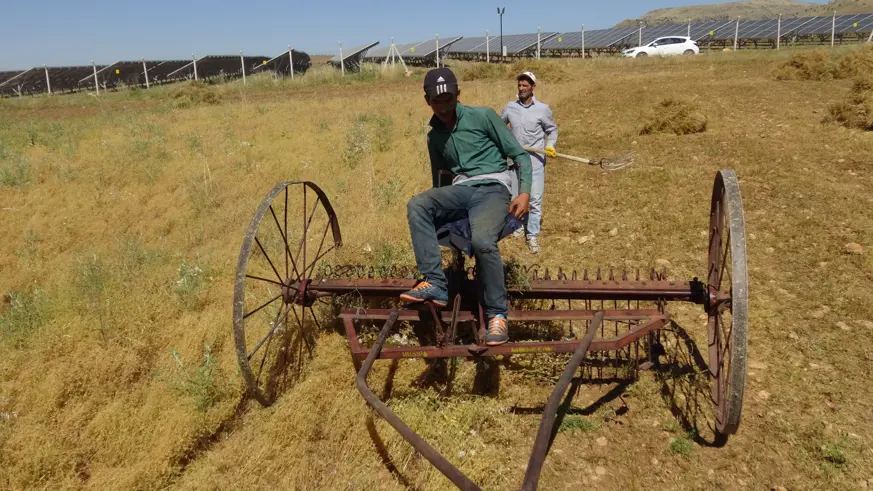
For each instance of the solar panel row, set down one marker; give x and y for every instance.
(281, 63)
(67, 79)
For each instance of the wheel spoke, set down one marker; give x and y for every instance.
(724, 259)
(257, 241)
(306, 225)
(262, 306)
(284, 234)
(269, 333)
(267, 349)
(321, 256)
(264, 279)
(311, 267)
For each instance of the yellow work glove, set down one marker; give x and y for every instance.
(550, 152)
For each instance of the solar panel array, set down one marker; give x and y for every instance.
(63, 79)
(419, 49)
(68, 79)
(281, 63)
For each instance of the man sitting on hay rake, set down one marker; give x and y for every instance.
(472, 143)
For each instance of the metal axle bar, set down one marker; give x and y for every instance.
(669, 290)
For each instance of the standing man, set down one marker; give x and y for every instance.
(533, 126)
(473, 143)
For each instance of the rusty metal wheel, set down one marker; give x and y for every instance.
(727, 309)
(274, 324)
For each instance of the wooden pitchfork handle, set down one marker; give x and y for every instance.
(561, 155)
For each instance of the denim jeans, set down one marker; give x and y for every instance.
(534, 217)
(486, 206)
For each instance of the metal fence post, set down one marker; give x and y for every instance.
(145, 72)
(195, 65)
(689, 27)
(833, 28)
(342, 62)
(242, 64)
(779, 32)
(736, 34)
(438, 50)
(96, 84)
(48, 83)
(538, 42)
(487, 48)
(583, 41)
(291, 61)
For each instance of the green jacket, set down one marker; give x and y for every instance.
(479, 144)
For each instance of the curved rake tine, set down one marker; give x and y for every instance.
(541, 444)
(417, 442)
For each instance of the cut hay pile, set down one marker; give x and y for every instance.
(193, 94)
(857, 63)
(857, 111)
(677, 116)
(809, 65)
(824, 65)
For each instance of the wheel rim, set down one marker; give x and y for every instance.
(642, 55)
(727, 310)
(273, 319)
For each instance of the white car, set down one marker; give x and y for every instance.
(665, 46)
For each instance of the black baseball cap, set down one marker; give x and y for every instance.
(440, 81)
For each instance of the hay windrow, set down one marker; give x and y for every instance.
(193, 94)
(825, 65)
(677, 116)
(857, 110)
(808, 65)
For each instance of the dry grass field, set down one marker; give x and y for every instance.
(121, 218)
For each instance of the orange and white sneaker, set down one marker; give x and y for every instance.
(498, 331)
(425, 292)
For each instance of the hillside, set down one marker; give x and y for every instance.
(749, 9)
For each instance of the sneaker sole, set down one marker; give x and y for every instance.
(496, 343)
(408, 299)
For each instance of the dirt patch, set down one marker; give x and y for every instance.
(677, 116)
(194, 94)
(857, 110)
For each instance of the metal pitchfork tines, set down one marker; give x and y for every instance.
(604, 163)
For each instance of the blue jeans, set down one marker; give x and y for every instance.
(534, 217)
(486, 206)
(538, 184)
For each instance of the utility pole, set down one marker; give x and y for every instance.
(500, 12)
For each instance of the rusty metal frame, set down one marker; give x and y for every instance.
(666, 290)
(541, 442)
(655, 320)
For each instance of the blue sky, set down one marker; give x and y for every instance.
(57, 33)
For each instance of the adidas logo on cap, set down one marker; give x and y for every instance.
(441, 79)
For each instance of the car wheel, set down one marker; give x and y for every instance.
(642, 54)
(688, 52)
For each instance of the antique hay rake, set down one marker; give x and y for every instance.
(607, 321)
